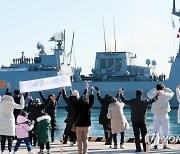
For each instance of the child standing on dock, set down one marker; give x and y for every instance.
(23, 125)
(44, 130)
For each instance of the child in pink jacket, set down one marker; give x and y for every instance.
(23, 125)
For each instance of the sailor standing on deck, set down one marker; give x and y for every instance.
(160, 109)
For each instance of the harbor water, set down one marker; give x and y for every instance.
(97, 129)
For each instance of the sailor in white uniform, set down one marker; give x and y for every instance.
(178, 98)
(160, 109)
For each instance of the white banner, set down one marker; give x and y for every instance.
(45, 83)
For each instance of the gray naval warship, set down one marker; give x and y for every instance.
(112, 70)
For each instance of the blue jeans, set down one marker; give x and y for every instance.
(26, 141)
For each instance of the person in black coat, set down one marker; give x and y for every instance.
(51, 110)
(83, 118)
(35, 109)
(16, 99)
(70, 119)
(138, 115)
(103, 120)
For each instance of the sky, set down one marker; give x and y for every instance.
(143, 27)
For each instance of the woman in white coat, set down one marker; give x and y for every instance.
(118, 120)
(7, 121)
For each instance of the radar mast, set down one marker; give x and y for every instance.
(174, 11)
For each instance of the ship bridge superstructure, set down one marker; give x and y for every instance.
(118, 66)
(43, 61)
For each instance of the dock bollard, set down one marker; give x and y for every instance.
(61, 143)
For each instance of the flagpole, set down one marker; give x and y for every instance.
(114, 35)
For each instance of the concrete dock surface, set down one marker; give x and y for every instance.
(98, 148)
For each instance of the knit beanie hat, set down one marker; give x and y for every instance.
(75, 93)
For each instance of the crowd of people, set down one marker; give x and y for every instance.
(35, 123)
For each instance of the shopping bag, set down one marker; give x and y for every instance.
(73, 128)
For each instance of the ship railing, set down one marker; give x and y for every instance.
(13, 69)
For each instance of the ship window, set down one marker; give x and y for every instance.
(130, 70)
(103, 63)
(110, 62)
(135, 71)
(118, 64)
(141, 72)
(37, 60)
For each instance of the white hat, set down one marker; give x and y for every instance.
(37, 101)
(75, 93)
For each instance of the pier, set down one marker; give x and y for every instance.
(98, 148)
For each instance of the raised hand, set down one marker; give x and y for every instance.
(121, 90)
(87, 85)
(62, 88)
(8, 85)
(30, 97)
(22, 97)
(92, 89)
(33, 122)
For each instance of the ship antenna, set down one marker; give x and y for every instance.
(174, 6)
(64, 46)
(104, 37)
(176, 13)
(70, 53)
(74, 59)
(114, 35)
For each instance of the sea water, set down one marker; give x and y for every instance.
(96, 130)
